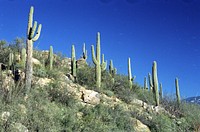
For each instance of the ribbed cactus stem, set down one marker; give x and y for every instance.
(150, 82)
(155, 83)
(104, 63)
(145, 83)
(84, 52)
(112, 71)
(73, 62)
(32, 36)
(130, 79)
(11, 58)
(23, 57)
(96, 60)
(51, 58)
(177, 92)
(160, 91)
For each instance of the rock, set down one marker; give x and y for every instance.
(43, 82)
(70, 77)
(18, 127)
(8, 82)
(5, 115)
(36, 62)
(137, 102)
(91, 97)
(81, 63)
(140, 127)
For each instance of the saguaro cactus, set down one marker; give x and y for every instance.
(10, 61)
(150, 82)
(177, 92)
(32, 36)
(84, 52)
(112, 71)
(97, 61)
(73, 62)
(161, 91)
(50, 57)
(23, 57)
(145, 83)
(155, 82)
(130, 78)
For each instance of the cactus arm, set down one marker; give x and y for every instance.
(104, 63)
(161, 91)
(33, 29)
(38, 33)
(93, 56)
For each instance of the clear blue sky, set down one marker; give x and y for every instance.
(167, 31)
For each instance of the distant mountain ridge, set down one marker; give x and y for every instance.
(195, 100)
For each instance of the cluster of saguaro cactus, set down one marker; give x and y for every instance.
(130, 78)
(112, 71)
(84, 52)
(32, 36)
(51, 58)
(73, 62)
(23, 57)
(155, 82)
(96, 60)
(177, 92)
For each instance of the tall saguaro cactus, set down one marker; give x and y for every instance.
(32, 36)
(177, 92)
(145, 83)
(150, 82)
(84, 52)
(50, 57)
(73, 62)
(96, 60)
(130, 78)
(112, 71)
(155, 82)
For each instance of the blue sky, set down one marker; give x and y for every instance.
(167, 31)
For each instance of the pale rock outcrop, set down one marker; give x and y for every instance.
(36, 62)
(43, 82)
(140, 127)
(90, 97)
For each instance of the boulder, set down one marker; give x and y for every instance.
(90, 97)
(140, 127)
(43, 82)
(36, 62)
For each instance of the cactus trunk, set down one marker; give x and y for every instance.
(97, 61)
(130, 79)
(177, 92)
(155, 83)
(23, 57)
(51, 58)
(112, 71)
(145, 83)
(32, 36)
(73, 62)
(150, 83)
